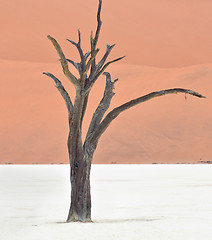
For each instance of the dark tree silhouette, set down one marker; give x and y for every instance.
(81, 153)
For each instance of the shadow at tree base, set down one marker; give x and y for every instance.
(118, 220)
(127, 220)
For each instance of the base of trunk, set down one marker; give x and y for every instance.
(74, 217)
(79, 220)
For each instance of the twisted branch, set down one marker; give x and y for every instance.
(64, 62)
(95, 39)
(63, 92)
(99, 24)
(116, 111)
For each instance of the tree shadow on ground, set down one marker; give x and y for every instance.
(101, 221)
(127, 220)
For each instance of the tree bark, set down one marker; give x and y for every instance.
(80, 165)
(80, 207)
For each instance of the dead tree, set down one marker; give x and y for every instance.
(81, 153)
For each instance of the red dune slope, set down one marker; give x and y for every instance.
(168, 129)
(167, 44)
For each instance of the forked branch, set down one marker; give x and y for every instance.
(103, 105)
(104, 58)
(78, 46)
(76, 65)
(116, 111)
(92, 58)
(106, 65)
(97, 73)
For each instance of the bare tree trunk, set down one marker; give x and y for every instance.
(80, 206)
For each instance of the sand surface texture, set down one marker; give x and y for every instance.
(167, 44)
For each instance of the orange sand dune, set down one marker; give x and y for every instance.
(167, 44)
(168, 129)
(158, 33)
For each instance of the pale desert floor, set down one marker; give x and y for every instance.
(167, 44)
(132, 202)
